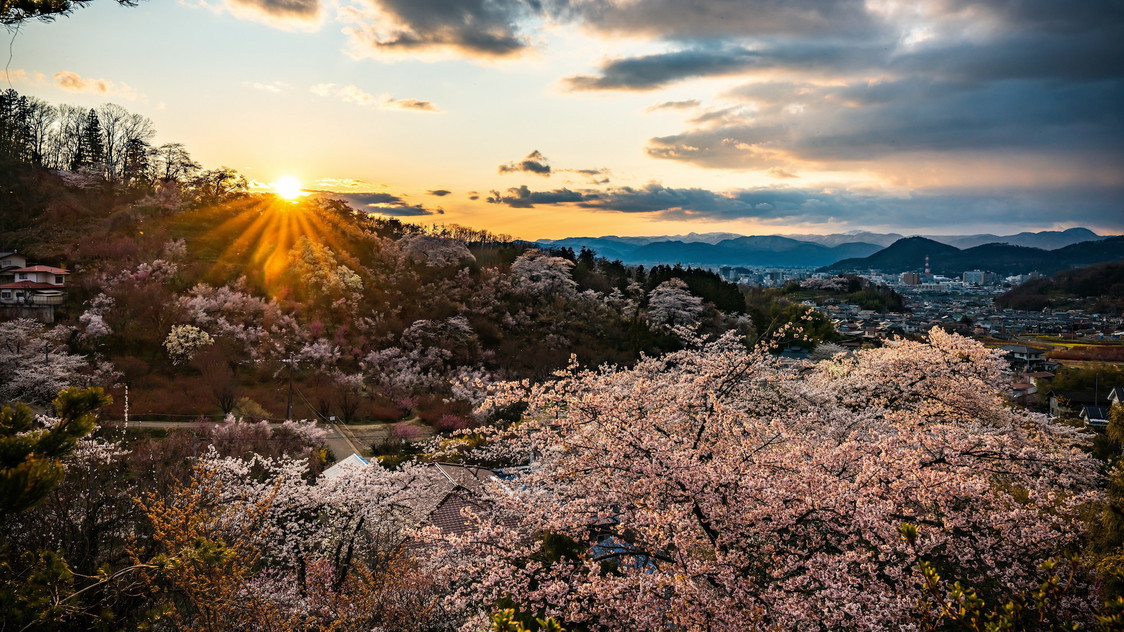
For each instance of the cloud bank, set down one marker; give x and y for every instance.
(381, 203)
(938, 208)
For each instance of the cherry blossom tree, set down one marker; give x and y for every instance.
(320, 272)
(183, 341)
(135, 306)
(252, 543)
(255, 329)
(35, 363)
(712, 488)
(539, 273)
(832, 284)
(435, 252)
(671, 304)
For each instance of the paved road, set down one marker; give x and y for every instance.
(341, 443)
(339, 440)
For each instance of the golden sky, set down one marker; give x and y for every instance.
(632, 117)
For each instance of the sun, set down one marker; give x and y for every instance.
(288, 188)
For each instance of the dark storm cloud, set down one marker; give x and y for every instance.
(865, 121)
(535, 163)
(653, 71)
(1094, 55)
(699, 19)
(486, 28)
(649, 72)
(785, 205)
(1026, 39)
(1045, 15)
(492, 28)
(379, 202)
(1067, 57)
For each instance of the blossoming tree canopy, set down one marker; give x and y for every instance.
(714, 489)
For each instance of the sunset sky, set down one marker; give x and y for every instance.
(552, 118)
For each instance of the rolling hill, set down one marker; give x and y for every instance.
(909, 254)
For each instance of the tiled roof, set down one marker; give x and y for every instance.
(448, 515)
(29, 285)
(50, 269)
(1094, 412)
(1078, 397)
(1020, 349)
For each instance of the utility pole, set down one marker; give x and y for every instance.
(289, 405)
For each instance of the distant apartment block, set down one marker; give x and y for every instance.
(980, 277)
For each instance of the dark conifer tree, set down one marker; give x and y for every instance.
(91, 151)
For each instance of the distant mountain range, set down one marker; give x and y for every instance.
(909, 254)
(813, 251)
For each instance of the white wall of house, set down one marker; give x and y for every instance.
(40, 276)
(13, 260)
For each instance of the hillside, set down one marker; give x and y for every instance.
(905, 254)
(1097, 288)
(197, 300)
(1046, 240)
(765, 251)
(908, 255)
(717, 249)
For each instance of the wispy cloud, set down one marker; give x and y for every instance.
(73, 82)
(777, 172)
(267, 86)
(341, 183)
(686, 104)
(289, 15)
(19, 75)
(410, 104)
(354, 94)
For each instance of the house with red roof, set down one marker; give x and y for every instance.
(21, 284)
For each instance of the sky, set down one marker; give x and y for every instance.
(555, 118)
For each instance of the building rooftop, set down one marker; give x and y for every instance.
(50, 269)
(28, 285)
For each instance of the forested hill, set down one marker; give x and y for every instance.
(908, 255)
(193, 290)
(1097, 288)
